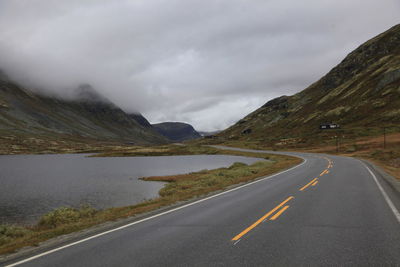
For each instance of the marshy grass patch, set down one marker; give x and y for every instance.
(12, 232)
(65, 215)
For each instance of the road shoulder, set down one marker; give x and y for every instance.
(390, 184)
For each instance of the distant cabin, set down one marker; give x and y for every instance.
(329, 125)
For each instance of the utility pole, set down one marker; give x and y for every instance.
(384, 137)
(337, 144)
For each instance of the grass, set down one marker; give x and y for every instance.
(162, 150)
(50, 144)
(198, 183)
(388, 159)
(8, 233)
(366, 144)
(65, 215)
(179, 188)
(370, 148)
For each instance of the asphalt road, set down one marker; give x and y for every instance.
(327, 211)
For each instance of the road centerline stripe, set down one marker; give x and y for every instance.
(251, 227)
(279, 213)
(324, 172)
(307, 185)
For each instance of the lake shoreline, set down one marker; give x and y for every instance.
(33, 185)
(120, 216)
(40, 234)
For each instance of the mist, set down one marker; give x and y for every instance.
(208, 63)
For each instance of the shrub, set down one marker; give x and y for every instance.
(237, 165)
(65, 215)
(9, 232)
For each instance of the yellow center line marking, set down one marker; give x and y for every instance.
(248, 229)
(307, 185)
(324, 172)
(313, 184)
(279, 213)
(330, 162)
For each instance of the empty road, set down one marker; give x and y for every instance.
(327, 211)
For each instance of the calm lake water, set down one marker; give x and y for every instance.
(32, 185)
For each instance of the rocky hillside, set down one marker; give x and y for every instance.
(141, 120)
(360, 94)
(25, 114)
(177, 131)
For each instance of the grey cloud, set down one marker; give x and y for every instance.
(205, 62)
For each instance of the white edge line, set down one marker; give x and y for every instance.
(151, 217)
(236, 242)
(385, 196)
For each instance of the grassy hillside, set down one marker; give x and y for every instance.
(25, 115)
(362, 94)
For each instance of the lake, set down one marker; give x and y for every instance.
(32, 185)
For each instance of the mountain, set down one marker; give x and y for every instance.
(177, 131)
(361, 94)
(28, 114)
(173, 131)
(141, 120)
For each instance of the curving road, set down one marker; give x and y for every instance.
(327, 211)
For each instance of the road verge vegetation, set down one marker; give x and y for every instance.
(384, 151)
(178, 188)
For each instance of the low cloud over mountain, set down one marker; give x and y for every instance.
(184, 60)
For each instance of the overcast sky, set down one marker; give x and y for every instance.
(208, 63)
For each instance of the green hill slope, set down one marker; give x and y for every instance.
(362, 94)
(25, 114)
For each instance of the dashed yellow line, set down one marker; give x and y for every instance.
(248, 229)
(313, 182)
(330, 162)
(322, 173)
(307, 185)
(278, 213)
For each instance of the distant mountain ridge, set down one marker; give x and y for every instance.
(23, 112)
(362, 91)
(173, 131)
(177, 131)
